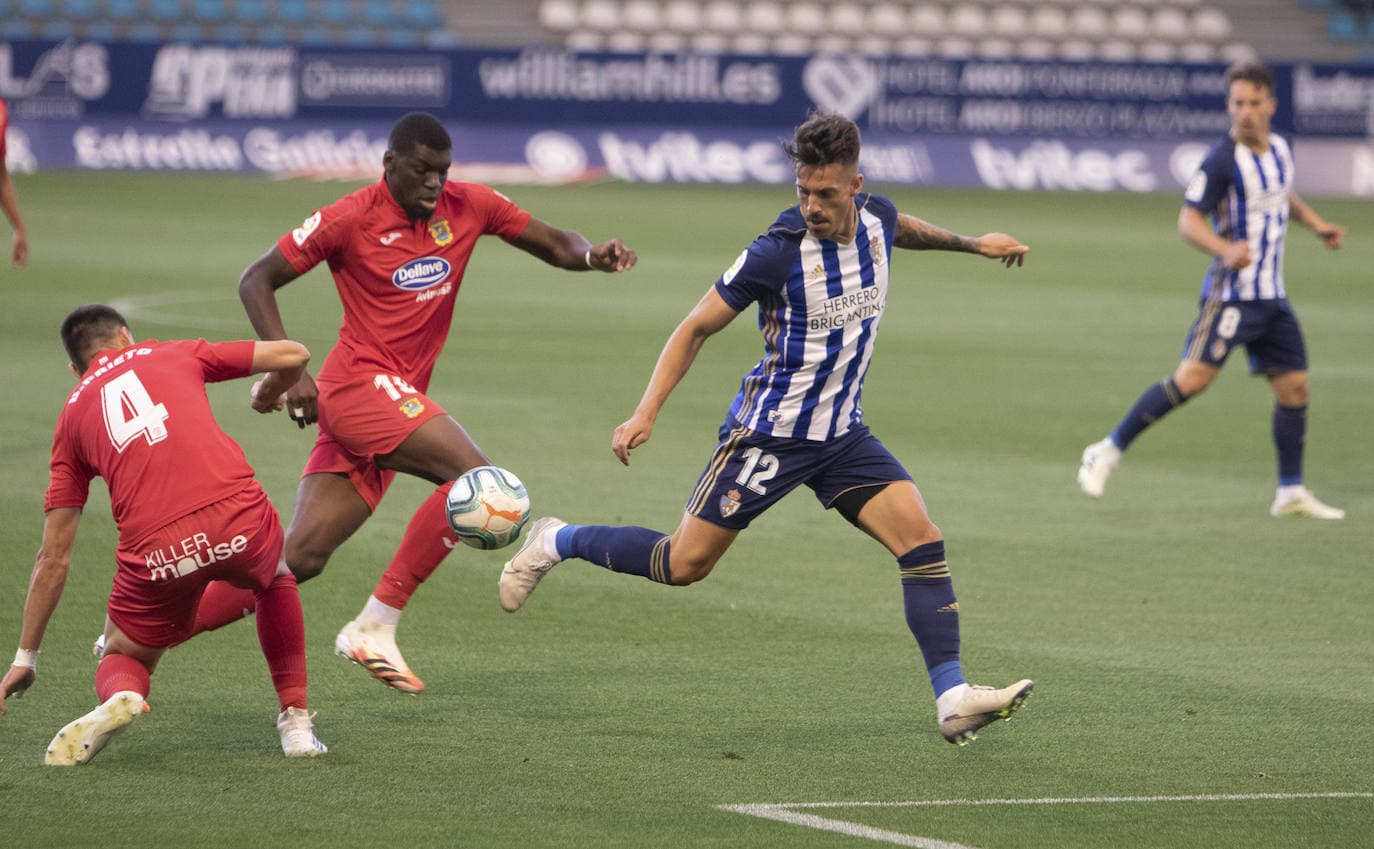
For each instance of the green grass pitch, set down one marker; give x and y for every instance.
(1203, 671)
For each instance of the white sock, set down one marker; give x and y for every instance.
(551, 543)
(1286, 492)
(376, 613)
(949, 699)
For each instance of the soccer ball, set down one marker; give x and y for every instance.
(487, 507)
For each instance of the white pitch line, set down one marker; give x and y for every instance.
(784, 812)
(146, 308)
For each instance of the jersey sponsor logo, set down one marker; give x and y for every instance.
(389, 238)
(442, 233)
(412, 407)
(734, 269)
(301, 233)
(194, 552)
(729, 503)
(840, 310)
(421, 273)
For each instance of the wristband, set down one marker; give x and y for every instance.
(588, 258)
(26, 658)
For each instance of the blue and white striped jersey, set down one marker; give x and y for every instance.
(819, 307)
(1246, 194)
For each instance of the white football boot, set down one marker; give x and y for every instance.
(1099, 459)
(531, 563)
(1299, 501)
(83, 738)
(297, 730)
(980, 706)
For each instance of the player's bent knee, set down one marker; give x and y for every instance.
(305, 565)
(689, 571)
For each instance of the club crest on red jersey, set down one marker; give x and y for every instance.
(442, 233)
(412, 407)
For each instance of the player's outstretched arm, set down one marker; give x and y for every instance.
(9, 202)
(708, 317)
(258, 287)
(1330, 234)
(45, 590)
(913, 234)
(569, 250)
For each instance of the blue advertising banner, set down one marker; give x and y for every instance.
(553, 114)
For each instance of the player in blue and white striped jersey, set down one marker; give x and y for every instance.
(820, 279)
(1246, 184)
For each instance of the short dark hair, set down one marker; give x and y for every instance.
(86, 329)
(825, 138)
(1250, 71)
(418, 128)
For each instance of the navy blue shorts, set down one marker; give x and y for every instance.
(1268, 329)
(750, 472)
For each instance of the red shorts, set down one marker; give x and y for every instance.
(159, 582)
(361, 418)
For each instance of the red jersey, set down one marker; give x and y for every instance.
(140, 419)
(4, 127)
(398, 279)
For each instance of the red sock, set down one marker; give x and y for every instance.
(426, 543)
(281, 633)
(221, 604)
(120, 672)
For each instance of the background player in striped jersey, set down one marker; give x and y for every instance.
(397, 251)
(9, 201)
(820, 279)
(1246, 184)
(188, 509)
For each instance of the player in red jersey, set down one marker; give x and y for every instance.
(9, 201)
(397, 250)
(188, 510)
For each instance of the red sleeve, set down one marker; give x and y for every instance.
(320, 236)
(500, 215)
(4, 126)
(223, 360)
(69, 477)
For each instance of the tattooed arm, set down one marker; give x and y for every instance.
(917, 235)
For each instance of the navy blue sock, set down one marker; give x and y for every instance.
(1150, 407)
(932, 613)
(635, 551)
(1290, 433)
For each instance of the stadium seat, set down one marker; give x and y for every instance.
(13, 29)
(995, 48)
(293, 11)
(209, 11)
(145, 32)
(441, 39)
(873, 45)
(600, 15)
(379, 13)
(1036, 49)
(708, 41)
(1116, 50)
(165, 10)
(102, 31)
(832, 43)
(848, 19)
(1169, 23)
(755, 43)
(954, 47)
(1342, 27)
(121, 10)
(251, 11)
(667, 41)
(970, 22)
(400, 37)
(558, 15)
(584, 40)
(228, 33)
(79, 10)
(764, 17)
(1077, 50)
(913, 46)
(335, 12)
(1130, 23)
(1089, 22)
(359, 36)
(641, 16)
(1157, 51)
(792, 44)
(928, 21)
(1049, 22)
(316, 36)
(723, 16)
(57, 29)
(423, 14)
(806, 19)
(625, 41)
(683, 16)
(36, 8)
(1211, 24)
(1196, 51)
(272, 34)
(1236, 52)
(1008, 21)
(887, 19)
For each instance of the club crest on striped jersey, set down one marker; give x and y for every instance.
(442, 233)
(421, 273)
(875, 250)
